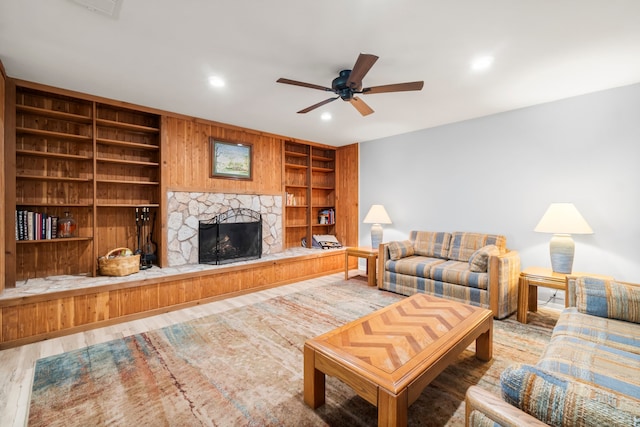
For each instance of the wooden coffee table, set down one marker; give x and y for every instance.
(388, 357)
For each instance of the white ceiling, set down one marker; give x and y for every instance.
(160, 53)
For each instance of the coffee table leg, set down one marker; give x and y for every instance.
(313, 380)
(484, 345)
(392, 409)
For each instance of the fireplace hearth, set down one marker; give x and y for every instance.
(234, 235)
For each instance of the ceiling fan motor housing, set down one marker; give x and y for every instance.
(339, 85)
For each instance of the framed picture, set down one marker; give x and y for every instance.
(231, 160)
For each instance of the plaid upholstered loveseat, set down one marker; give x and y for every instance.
(473, 268)
(589, 373)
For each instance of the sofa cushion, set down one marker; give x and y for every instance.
(431, 244)
(599, 330)
(463, 245)
(458, 273)
(399, 250)
(479, 261)
(413, 265)
(560, 400)
(593, 362)
(608, 298)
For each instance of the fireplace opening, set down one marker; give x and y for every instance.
(234, 235)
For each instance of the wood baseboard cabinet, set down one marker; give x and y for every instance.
(96, 161)
(44, 316)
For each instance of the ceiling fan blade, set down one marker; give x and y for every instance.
(361, 106)
(397, 87)
(303, 84)
(319, 104)
(362, 66)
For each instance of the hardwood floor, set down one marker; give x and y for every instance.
(17, 364)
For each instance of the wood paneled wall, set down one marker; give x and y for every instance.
(347, 185)
(188, 158)
(3, 209)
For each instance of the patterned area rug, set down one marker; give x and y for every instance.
(243, 367)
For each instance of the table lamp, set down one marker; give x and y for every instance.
(563, 220)
(377, 215)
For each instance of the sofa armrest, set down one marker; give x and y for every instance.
(383, 257)
(496, 409)
(504, 273)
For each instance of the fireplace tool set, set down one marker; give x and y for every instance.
(146, 245)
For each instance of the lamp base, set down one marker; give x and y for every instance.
(376, 235)
(561, 249)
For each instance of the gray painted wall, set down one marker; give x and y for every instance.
(499, 173)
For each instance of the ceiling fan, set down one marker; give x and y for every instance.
(349, 83)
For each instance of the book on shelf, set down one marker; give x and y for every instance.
(327, 216)
(35, 225)
(291, 199)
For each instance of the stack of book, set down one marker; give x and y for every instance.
(327, 216)
(35, 226)
(291, 200)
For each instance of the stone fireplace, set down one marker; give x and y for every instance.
(185, 210)
(234, 235)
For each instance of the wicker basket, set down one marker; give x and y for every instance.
(118, 266)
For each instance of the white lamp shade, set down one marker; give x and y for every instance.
(377, 215)
(563, 218)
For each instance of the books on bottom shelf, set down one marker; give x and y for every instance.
(35, 225)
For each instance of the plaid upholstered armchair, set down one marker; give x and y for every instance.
(588, 375)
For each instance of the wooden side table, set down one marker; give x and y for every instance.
(531, 278)
(362, 252)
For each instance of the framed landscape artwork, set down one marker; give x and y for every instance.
(231, 160)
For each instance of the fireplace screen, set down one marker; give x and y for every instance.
(234, 235)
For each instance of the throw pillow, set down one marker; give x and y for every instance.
(430, 243)
(608, 298)
(479, 261)
(399, 250)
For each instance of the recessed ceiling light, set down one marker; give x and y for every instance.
(216, 81)
(326, 116)
(482, 63)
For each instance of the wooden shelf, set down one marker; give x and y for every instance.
(60, 240)
(60, 137)
(322, 158)
(56, 205)
(49, 155)
(295, 166)
(126, 162)
(127, 126)
(53, 178)
(50, 133)
(127, 182)
(128, 205)
(306, 165)
(44, 112)
(135, 145)
(295, 154)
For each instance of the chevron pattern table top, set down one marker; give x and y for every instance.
(394, 345)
